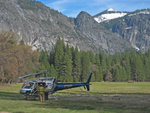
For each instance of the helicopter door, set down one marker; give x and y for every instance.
(51, 85)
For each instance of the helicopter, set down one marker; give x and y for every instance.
(30, 88)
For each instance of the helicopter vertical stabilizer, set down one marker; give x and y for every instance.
(88, 81)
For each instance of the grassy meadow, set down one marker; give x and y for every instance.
(104, 97)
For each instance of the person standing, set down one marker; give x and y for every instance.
(41, 92)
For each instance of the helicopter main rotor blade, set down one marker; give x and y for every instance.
(32, 74)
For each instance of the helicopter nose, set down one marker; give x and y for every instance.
(22, 91)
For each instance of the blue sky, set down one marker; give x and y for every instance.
(71, 8)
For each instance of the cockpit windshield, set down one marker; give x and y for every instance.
(28, 85)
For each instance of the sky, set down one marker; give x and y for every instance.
(72, 8)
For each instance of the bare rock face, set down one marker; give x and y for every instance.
(102, 38)
(40, 26)
(134, 27)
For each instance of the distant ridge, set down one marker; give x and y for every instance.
(40, 26)
(134, 27)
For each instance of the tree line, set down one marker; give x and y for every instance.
(69, 64)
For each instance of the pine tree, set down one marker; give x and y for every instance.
(98, 74)
(85, 63)
(102, 59)
(52, 71)
(44, 61)
(67, 65)
(116, 75)
(126, 64)
(147, 65)
(59, 55)
(139, 69)
(91, 56)
(76, 70)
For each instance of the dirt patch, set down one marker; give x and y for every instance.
(138, 99)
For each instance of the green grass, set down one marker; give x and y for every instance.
(109, 88)
(11, 101)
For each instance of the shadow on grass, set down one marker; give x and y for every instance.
(13, 96)
(10, 96)
(16, 96)
(94, 106)
(96, 93)
(73, 105)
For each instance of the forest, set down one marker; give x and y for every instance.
(69, 64)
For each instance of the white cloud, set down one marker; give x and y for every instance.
(101, 1)
(59, 4)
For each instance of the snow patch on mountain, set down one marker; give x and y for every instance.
(135, 47)
(141, 12)
(109, 14)
(128, 28)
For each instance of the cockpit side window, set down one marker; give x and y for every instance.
(29, 85)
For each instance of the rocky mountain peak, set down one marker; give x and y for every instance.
(83, 14)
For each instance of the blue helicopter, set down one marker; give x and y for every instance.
(30, 88)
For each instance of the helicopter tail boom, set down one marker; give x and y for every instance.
(61, 86)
